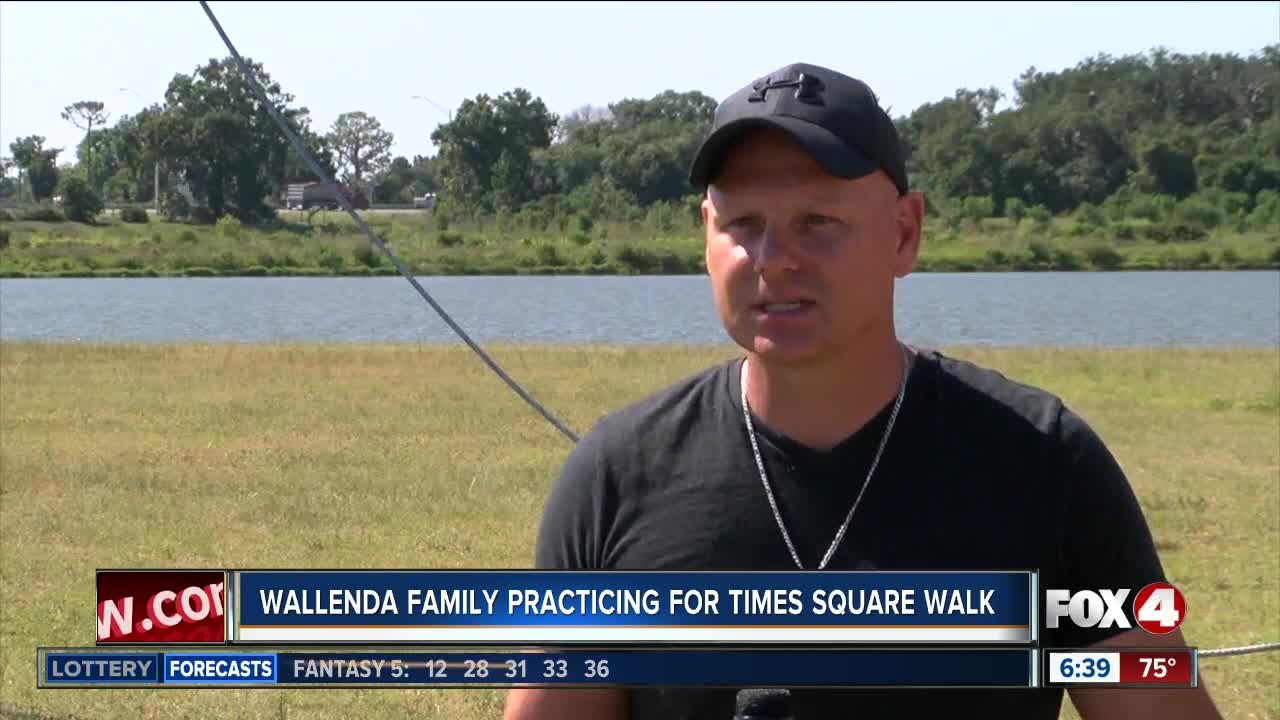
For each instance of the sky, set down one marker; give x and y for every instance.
(375, 56)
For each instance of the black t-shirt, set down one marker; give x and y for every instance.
(980, 473)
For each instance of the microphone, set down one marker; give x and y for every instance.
(763, 704)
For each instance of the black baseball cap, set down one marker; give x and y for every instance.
(835, 117)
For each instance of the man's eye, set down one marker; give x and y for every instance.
(746, 222)
(815, 220)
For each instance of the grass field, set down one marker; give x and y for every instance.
(376, 456)
(332, 245)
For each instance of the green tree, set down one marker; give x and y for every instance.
(317, 144)
(691, 108)
(403, 180)
(222, 142)
(394, 184)
(647, 145)
(1015, 209)
(1249, 175)
(480, 133)
(511, 180)
(425, 176)
(97, 155)
(949, 151)
(8, 186)
(978, 208)
(25, 150)
(79, 200)
(86, 115)
(38, 163)
(131, 149)
(575, 125)
(1170, 165)
(360, 144)
(1159, 123)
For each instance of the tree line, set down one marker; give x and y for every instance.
(1192, 138)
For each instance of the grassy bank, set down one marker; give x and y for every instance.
(331, 245)
(373, 456)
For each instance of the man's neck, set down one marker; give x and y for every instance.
(820, 407)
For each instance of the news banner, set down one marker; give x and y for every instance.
(518, 628)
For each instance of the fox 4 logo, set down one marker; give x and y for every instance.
(1158, 608)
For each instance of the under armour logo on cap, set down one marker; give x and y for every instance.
(808, 88)
(835, 117)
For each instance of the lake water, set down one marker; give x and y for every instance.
(1110, 309)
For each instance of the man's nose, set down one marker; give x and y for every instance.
(774, 249)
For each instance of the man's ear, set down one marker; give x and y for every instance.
(706, 233)
(910, 222)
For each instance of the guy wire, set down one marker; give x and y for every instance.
(376, 241)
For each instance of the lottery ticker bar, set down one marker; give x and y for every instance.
(347, 668)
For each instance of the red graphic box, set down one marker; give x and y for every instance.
(162, 606)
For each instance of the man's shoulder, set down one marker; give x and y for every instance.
(983, 394)
(614, 468)
(668, 411)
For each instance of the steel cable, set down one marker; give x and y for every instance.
(373, 237)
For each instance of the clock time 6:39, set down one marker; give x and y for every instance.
(1084, 667)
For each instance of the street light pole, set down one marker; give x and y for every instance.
(437, 105)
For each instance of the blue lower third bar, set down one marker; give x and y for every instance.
(199, 668)
(101, 668)
(900, 667)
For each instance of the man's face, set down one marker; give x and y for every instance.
(802, 263)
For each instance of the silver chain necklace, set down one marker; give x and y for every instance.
(764, 476)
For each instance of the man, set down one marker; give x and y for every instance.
(856, 451)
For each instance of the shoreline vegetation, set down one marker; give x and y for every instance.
(328, 244)
(1153, 161)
